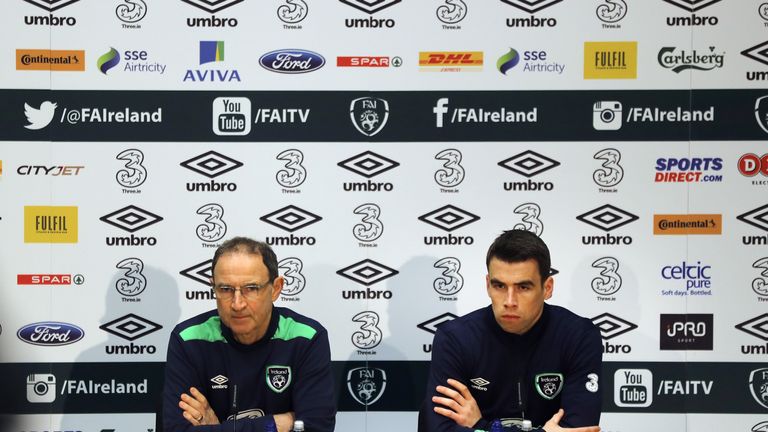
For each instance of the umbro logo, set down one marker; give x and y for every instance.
(531, 6)
(370, 6)
(200, 272)
(758, 53)
(130, 327)
(611, 326)
(692, 5)
(607, 217)
(131, 218)
(480, 383)
(51, 5)
(368, 164)
(290, 218)
(529, 163)
(757, 217)
(757, 326)
(432, 324)
(211, 164)
(449, 218)
(367, 272)
(212, 6)
(219, 379)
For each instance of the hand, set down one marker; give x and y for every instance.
(196, 409)
(284, 421)
(553, 425)
(461, 406)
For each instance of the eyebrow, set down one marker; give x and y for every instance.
(526, 282)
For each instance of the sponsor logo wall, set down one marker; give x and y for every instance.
(379, 147)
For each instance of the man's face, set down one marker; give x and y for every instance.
(247, 318)
(517, 294)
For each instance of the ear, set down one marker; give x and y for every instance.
(277, 286)
(488, 284)
(549, 285)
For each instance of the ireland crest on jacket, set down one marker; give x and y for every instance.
(278, 378)
(548, 385)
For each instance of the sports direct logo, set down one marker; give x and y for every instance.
(688, 170)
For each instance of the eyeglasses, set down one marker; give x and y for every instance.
(250, 291)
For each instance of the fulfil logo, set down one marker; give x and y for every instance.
(50, 6)
(212, 7)
(692, 6)
(50, 224)
(610, 60)
(370, 7)
(531, 7)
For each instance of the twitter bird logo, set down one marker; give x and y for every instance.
(39, 118)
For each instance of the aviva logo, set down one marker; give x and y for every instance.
(211, 51)
(108, 60)
(50, 224)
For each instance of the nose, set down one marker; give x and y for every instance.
(510, 300)
(238, 301)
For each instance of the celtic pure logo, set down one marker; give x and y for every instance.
(452, 281)
(370, 227)
(611, 172)
(531, 221)
(294, 280)
(453, 173)
(610, 281)
(214, 228)
(294, 173)
(369, 335)
(134, 173)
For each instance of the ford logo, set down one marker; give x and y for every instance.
(292, 61)
(50, 333)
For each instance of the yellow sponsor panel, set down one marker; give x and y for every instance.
(450, 58)
(50, 224)
(684, 224)
(50, 60)
(610, 60)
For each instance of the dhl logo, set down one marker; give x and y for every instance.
(451, 58)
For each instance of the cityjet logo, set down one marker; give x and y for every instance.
(460, 115)
(757, 327)
(292, 12)
(368, 164)
(211, 164)
(449, 218)
(528, 164)
(451, 281)
(367, 272)
(291, 218)
(212, 7)
(611, 326)
(451, 13)
(531, 7)
(431, 325)
(452, 173)
(130, 327)
(130, 12)
(758, 53)
(693, 19)
(294, 280)
(133, 173)
(370, 227)
(54, 171)
(757, 218)
(607, 218)
(369, 115)
(202, 274)
(50, 6)
(678, 60)
(293, 173)
(611, 12)
(611, 172)
(609, 281)
(131, 219)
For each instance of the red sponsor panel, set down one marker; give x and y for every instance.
(362, 61)
(43, 279)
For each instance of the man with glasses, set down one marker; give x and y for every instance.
(248, 362)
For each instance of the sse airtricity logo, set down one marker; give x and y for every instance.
(39, 118)
(108, 60)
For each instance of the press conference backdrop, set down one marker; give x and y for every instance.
(380, 146)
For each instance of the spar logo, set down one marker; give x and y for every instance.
(611, 12)
(611, 326)
(212, 7)
(529, 164)
(50, 6)
(130, 327)
(368, 164)
(367, 272)
(451, 13)
(292, 12)
(370, 7)
(449, 218)
(291, 218)
(202, 274)
(692, 6)
(294, 281)
(531, 7)
(131, 219)
(607, 218)
(211, 164)
(431, 325)
(452, 172)
(49, 279)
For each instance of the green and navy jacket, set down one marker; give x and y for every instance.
(289, 369)
(556, 364)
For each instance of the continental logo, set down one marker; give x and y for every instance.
(50, 224)
(50, 60)
(610, 60)
(670, 224)
(450, 61)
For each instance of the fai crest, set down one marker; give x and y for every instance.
(278, 378)
(366, 385)
(758, 386)
(761, 112)
(369, 115)
(548, 384)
